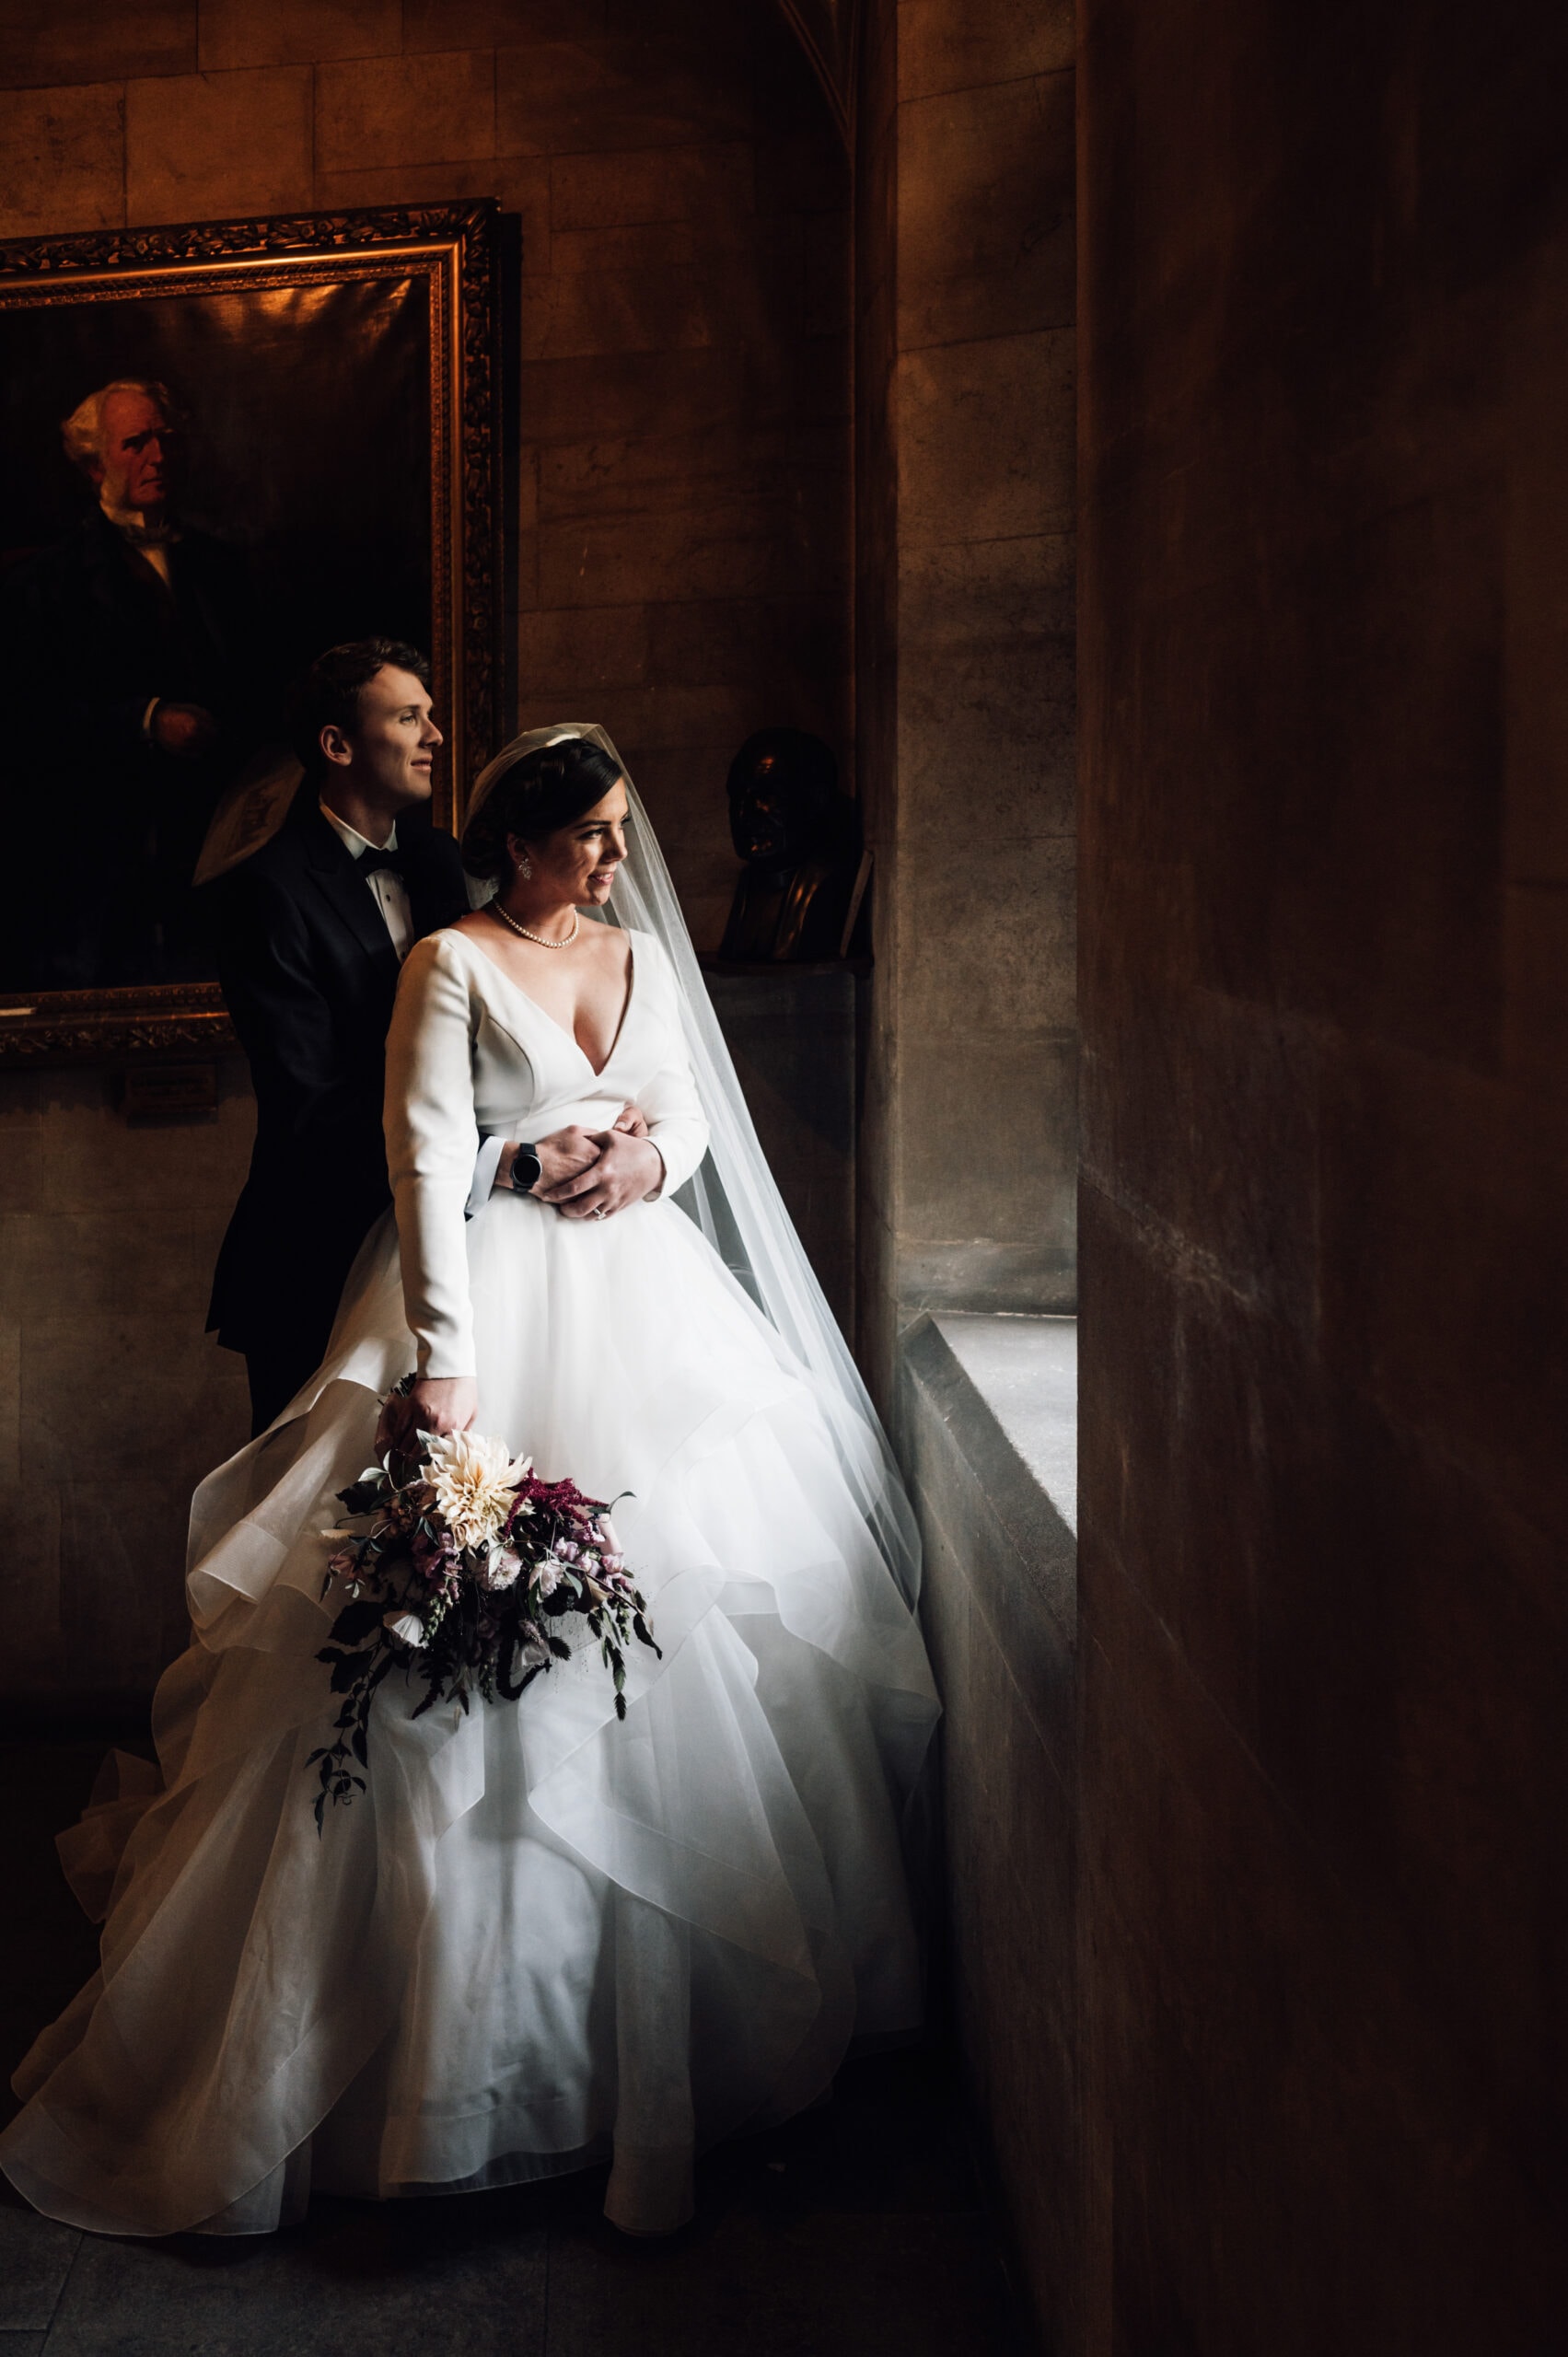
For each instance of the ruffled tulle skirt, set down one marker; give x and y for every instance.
(543, 1937)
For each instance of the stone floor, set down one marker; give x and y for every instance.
(858, 2229)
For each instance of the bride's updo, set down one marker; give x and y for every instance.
(547, 789)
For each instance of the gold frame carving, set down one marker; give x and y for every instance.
(455, 247)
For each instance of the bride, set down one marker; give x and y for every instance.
(543, 1937)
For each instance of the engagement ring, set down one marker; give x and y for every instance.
(599, 1211)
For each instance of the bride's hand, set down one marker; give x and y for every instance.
(628, 1169)
(438, 1404)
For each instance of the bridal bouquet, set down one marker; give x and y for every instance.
(463, 1570)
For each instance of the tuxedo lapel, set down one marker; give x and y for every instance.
(335, 872)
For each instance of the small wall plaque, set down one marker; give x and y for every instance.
(157, 1092)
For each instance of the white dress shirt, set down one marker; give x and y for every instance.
(389, 891)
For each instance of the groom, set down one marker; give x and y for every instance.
(312, 931)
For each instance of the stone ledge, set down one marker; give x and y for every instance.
(987, 1431)
(1025, 1370)
(1006, 1387)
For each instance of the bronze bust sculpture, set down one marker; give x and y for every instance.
(799, 891)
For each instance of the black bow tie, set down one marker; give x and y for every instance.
(371, 863)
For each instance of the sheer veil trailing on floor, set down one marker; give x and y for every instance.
(734, 1198)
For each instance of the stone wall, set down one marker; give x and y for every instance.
(1325, 1493)
(999, 1611)
(793, 1033)
(683, 545)
(113, 1402)
(965, 492)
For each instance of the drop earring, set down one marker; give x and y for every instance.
(525, 870)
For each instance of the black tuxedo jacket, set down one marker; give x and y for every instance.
(309, 972)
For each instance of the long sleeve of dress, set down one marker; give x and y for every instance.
(668, 1101)
(431, 1137)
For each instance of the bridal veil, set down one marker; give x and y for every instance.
(734, 1196)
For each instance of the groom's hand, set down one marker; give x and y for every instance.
(566, 1154)
(628, 1170)
(561, 1156)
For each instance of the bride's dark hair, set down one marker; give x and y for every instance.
(547, 789)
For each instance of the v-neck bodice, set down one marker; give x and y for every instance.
(528, 1068)
(470, 1050)
(529, 1001)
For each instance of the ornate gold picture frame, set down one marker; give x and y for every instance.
(339, 372)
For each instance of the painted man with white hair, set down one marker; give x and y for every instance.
(136, 634)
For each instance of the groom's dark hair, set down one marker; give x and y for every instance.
(328, 696)
(547, 789)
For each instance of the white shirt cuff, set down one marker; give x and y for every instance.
(487, 1162)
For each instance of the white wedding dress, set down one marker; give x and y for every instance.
(543, 1937)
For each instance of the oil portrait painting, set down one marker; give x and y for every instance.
(214, 464)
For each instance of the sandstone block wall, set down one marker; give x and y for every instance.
(999, 1611)
(113, 1401)
(1324, 1650)
(964, 612)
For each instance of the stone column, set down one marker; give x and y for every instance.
(964, 488)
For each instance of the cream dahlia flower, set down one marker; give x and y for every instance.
(473, 1478)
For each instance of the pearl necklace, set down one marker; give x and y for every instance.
(565, 943)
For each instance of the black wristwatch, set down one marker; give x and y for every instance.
(527, 1169)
